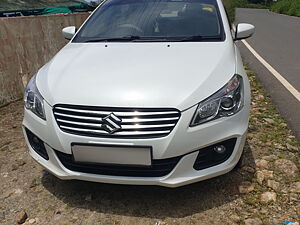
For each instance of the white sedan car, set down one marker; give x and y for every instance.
(147, 92)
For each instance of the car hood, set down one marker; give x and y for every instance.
(177, 75)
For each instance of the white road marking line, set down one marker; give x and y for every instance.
(277, 75)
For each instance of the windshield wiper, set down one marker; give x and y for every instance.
(201, 38)
(129, 38)
(118, 39)
(155, 39)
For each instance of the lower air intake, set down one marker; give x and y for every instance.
(159, 168)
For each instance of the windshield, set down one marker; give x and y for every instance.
(150, 20)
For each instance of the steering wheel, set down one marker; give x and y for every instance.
(128, 25)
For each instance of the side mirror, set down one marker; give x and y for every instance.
(69, 32)
(243, 31)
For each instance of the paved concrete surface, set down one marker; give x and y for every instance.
(277, 40)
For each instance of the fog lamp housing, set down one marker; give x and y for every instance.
(214, 154)
(37, 144)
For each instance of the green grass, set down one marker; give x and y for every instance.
(288, 7)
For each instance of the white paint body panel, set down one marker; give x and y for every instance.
(244, 30)
(137, 74)
(144, 75)
(69, 32)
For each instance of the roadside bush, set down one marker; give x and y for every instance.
(289, 7)
(230, 9)
(281, 6)
(231, 5)
(257, 6)
(294, 9)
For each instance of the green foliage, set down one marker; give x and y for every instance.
(294, 9)
(230, 8)
(231, 5)
(257, 6)
(281, 6)
(289, 7)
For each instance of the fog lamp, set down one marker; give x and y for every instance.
(220, 149)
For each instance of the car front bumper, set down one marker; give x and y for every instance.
(184, 141)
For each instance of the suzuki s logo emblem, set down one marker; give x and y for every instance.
(111, 123)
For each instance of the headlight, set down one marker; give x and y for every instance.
(33, 99)
(225, 102)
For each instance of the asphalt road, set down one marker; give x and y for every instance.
(277, 41)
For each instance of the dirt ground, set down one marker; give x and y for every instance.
(264, 190)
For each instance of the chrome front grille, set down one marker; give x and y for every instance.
(116, 122)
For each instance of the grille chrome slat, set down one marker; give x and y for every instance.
(137, 120)
(123, 126)
(80, 123)
(121, 133)
(134, 113)
(134, 122)
(78, 117)
(147, 126)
